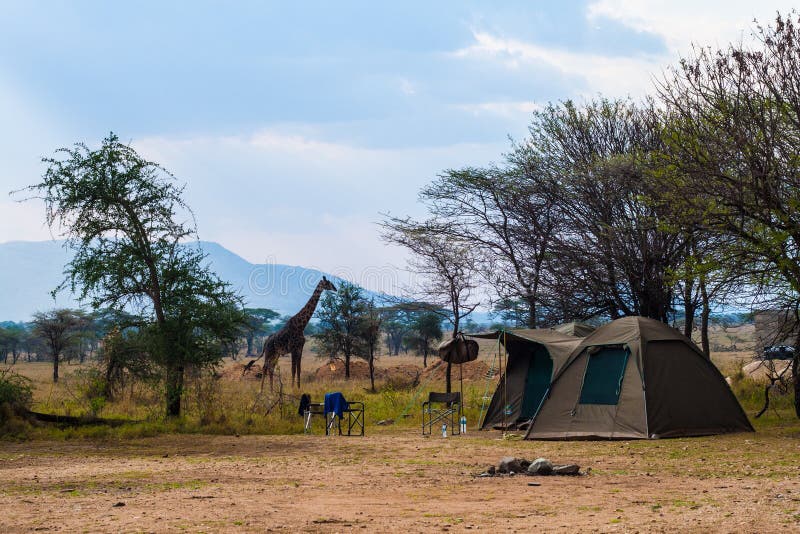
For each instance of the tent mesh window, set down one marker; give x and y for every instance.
(602, 380)
(540, 371)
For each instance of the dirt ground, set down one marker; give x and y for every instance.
(397, 481)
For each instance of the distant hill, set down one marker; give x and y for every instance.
(30, 270)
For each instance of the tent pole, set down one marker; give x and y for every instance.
(461, 404)
(486, 389)
(505, 381)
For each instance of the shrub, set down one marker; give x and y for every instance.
(15, 391)
(87, 390)
(16, 396)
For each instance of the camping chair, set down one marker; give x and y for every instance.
(336, 407)
(314, 408)
(441, 408)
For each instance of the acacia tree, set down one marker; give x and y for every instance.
(59, 329)
(734, 135)
(257, 324)
(396, 324)
(445, 270)
(426, 328)
(370, 333)
(507, 215)
(614, 252)
(340, 317)
(11, 341)
(125, 219)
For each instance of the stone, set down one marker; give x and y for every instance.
(541, 466)
(571, 469)
(508, 464)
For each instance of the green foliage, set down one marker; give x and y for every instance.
(425, 330)
(90, 389)
(125, 219)
(16, 397)
(514, 312)
(123, 358)
(16, 391)
(59, 330)
(257, 323)
(396, 325)
(340, 315)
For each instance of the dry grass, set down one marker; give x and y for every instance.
(391, 480)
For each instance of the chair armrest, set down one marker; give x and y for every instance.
(316, 408)
(350, 403)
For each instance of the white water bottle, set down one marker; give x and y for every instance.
(444, 430)
(463, 424)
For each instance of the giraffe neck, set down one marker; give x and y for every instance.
(301, 318)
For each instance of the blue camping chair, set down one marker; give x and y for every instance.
(336, 408)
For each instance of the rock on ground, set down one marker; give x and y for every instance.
(510, 464)
(540, 466)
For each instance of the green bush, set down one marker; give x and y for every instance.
(90, 389)
(16, 396)
(16, 391)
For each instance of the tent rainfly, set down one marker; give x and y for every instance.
(575, 329)
(637, 378)
(534, 356)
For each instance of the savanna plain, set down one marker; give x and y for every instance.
(240, 462)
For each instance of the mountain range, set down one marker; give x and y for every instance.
(30, 270)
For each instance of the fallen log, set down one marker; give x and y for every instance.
(71, 420)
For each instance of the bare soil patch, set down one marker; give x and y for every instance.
(397, 482)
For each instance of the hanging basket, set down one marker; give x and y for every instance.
(458, 349)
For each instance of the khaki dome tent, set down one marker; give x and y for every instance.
(637, 378)
(575, 329)
(534, 356)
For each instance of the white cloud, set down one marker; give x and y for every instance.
(680, 22)
(683, 22)
(300, 200)
(617, 76)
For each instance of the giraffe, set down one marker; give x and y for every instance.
(290, 338)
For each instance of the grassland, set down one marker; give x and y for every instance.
(228, 466)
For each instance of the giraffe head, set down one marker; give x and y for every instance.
(326, 284)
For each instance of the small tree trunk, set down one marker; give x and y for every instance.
(372, 369)
(347, 365)
(772, 381)
(249, 345)
(531, 312)
(795, 378)
(688, 308)
(448, 382)
(174, 390)
(425, 356)
(706, 313)
(55, 368)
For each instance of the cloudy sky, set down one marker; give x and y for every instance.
(294, 126)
